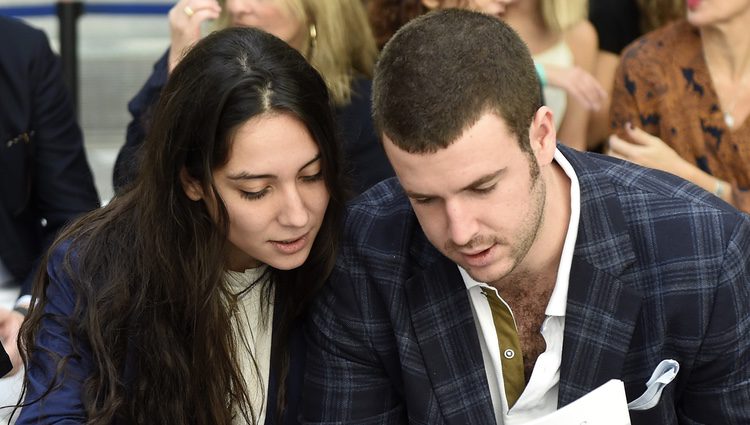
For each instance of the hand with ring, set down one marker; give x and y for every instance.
(185, 19)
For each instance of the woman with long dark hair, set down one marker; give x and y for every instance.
(180, 301)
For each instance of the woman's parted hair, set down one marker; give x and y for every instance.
(148, 270)
(443, 70)
(343, 48)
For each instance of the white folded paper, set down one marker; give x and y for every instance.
(605, 405)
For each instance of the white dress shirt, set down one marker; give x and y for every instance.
(540, 395)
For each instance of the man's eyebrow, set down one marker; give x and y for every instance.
(478, 182)
(416, 195)
(244, 175)
(484, 179)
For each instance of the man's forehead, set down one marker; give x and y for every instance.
(464, 164)
(489, 125)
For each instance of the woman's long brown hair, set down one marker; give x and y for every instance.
(148, 270)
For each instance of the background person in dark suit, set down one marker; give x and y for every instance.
(45, 180)
(504, 276)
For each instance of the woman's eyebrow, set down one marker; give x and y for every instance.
(245, 175)
(308, 163)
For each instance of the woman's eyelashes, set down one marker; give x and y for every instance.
(254, 195)
(313, 178)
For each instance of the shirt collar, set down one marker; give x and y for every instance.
(559, 298)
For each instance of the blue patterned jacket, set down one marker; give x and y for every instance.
(661, 270)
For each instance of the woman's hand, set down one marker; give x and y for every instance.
(650, 151)
(185, 19)
(647, 150)
(578, 83)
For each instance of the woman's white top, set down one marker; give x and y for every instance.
(555, 97)
(253, 329)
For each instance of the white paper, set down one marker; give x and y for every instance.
(605, 405)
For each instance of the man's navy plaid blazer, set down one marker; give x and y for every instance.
(661, 270)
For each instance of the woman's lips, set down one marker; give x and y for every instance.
(291, 246)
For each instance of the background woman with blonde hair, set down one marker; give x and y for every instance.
(333, 35)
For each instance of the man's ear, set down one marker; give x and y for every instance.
(191, 186)
(542, 135)
(431, 4)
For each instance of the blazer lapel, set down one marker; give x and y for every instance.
(447, 337)
(601, 310)
(599, 323)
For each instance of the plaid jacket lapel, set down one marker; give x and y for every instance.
(599, 322)
(448, 340)
(601, 311)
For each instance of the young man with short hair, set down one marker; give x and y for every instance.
(503, 275)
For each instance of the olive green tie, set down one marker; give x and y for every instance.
(511, 356)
